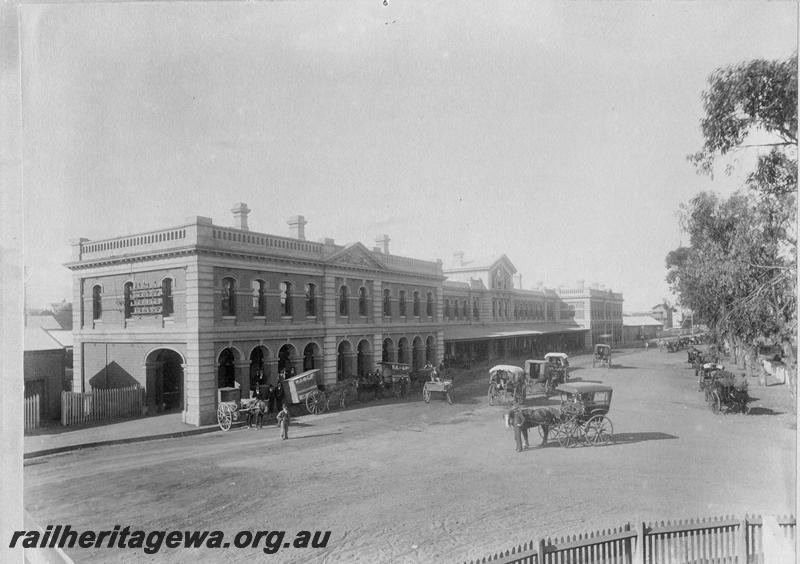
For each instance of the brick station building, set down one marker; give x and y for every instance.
(186, 310)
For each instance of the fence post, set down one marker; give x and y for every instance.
(639, 554)
(741, 541)
(542, 547)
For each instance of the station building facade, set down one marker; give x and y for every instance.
(187, 310)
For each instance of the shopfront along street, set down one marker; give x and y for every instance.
(409, 481)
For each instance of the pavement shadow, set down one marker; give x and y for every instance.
(622, 367)
(764, 411)
(315, 435)
(630, 438)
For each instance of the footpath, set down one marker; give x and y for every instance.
(56, 439)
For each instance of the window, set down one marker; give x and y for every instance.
(464, 309)
(258, 292)
(387, 303)
(447, 309)
(402, 303)
(286, 299)
(128, 299)
(167, 307)
(429, 305)
(416, 304)
(343, 309)
(475, 313)
(97, 302)
(228, 296)
(362, 301)
(311, 300)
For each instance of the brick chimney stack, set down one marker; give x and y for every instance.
(240, 212)
(383, 243)
(298, 226)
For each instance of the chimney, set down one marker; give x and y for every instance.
(383, 242)
(240, 212)
(459, 256)
(298, 226)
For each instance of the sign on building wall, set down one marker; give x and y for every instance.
(146, 298)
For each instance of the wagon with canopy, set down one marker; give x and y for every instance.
(540, 373)
(305, 388)
(559, 363)
(602, 355)
(396, 375)
(584, 409)
(506, 380)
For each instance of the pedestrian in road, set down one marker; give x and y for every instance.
(283, 422)
(646, 345)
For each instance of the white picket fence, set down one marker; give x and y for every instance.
(101, 405)
(33, 416)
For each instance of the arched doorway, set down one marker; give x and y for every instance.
(164, 381)
(258, 367)
(418, 352)
(285, 355)
(430, 350)
(387, 350)
(343, 354)
(402, 350)
(310, 356)
(363, 359)
(226, 368)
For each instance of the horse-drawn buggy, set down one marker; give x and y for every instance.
(438, 386)
(504, 381)
(397, 377)
(540, 373)
(559, 364)
(584, 409)
(724, 391)
(602, 355)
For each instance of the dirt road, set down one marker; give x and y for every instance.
(415, 482)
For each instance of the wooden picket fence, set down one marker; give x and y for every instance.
(101, 405)
(718, 540)
(33, 416)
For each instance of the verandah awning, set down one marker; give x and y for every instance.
(494, 331)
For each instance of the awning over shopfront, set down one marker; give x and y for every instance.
(494, 331)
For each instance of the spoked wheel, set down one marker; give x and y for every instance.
(714, 401)
(316, 402)
(599, 430)
(426, 394)
(492, 395)
(570, 434)
(224, 416)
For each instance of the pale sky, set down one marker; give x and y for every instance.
(554, 133)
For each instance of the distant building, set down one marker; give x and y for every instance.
(595, 308)
(663, 313)
(638, 327)
(44, 370)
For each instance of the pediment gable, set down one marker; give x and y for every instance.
(355, 255)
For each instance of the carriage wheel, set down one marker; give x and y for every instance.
(599, 430)
(224, 416)
(426, 394)
(492, 394)
(315, 402)
(570, 434)
(714, 402)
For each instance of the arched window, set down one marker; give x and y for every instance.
(447, 309)
(429, 305)
(311, 300)
(401, 303)
(343, 305)
(387, 303)
(258, 292)
(475, 313)
(286, 299)
(464, 314)
(97, 302)
(416, 304)
(228, 296)
(362, 301)
(128, 297)
(167, 305)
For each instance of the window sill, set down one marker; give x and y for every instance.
(259, 317)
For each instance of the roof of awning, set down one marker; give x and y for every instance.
(498, 331)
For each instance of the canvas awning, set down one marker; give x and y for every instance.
(496, 331)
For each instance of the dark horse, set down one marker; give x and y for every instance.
(523, 419)
(373, 383)
(256, 408)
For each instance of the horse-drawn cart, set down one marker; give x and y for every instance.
(506, 380)
(398, 376)
(231, 407)
(584, 406)
(602, 355)
(305, 388)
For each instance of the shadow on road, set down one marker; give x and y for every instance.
(764, 411)
(629, 438)
(622, 367)
(316, 435)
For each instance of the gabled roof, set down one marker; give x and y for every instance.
(44, 321)
(62, 337)
(37, 339)
(483, 263)
(355, 254)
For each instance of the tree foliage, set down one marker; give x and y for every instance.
(739, 273)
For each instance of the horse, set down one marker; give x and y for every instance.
(257, 407)
(523, 419)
